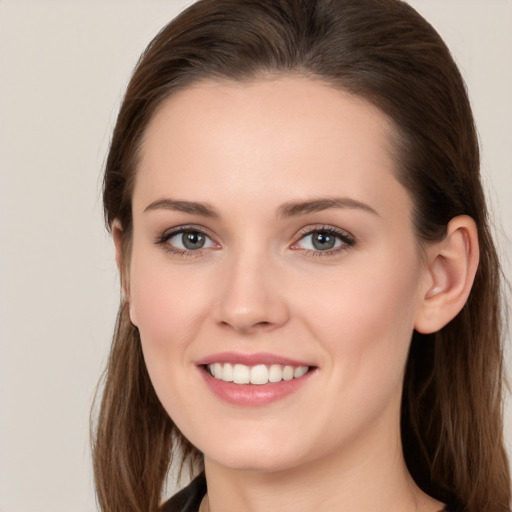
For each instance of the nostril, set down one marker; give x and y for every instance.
(248, 327)
(264, 325)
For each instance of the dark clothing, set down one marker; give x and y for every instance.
(189, 498)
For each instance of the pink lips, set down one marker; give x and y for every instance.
(250, 394)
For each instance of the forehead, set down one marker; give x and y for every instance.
(269, 106)
(289, 133)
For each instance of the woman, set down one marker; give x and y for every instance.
(311, 312)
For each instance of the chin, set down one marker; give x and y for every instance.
(260, 455)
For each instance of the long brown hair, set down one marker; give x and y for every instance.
(385, 52)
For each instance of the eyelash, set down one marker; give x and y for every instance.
(167, 235)
(347, 241)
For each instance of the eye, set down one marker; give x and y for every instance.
(324, 240)
(190, 240)
(186, 240)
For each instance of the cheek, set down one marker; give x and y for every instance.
(167, 308)
(366, 329)
(165, 303)
(366, 314)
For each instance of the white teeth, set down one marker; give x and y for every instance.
(217, 370)
(241, 374)
(275, 373)
(300, 371)
(227, 372)
(259, 374)
(288, 373)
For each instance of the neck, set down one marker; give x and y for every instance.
(359, 479)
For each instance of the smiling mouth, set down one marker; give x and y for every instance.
(259, 374)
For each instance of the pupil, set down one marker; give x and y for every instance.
(193, 240)
(323, 241)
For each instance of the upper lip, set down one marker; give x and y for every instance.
(250, 359)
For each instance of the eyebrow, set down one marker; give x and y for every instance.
(192, 207)
(316, 205)
(289, 209)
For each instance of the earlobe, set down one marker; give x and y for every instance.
(452, 267)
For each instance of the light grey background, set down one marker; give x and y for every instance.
(63, 67)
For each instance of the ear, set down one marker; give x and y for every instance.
(452, 265)
(117, 235)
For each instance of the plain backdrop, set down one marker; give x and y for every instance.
(63, 68)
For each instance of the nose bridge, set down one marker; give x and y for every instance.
(251, 298)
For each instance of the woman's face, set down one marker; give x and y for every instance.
(273, 244)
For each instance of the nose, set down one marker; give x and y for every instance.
(252, 297)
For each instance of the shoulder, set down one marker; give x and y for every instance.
(189, 498)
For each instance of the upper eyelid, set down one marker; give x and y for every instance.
(307, 230)
(168, 233)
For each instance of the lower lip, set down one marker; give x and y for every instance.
(253, 395)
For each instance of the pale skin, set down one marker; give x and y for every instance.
(259, 170)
